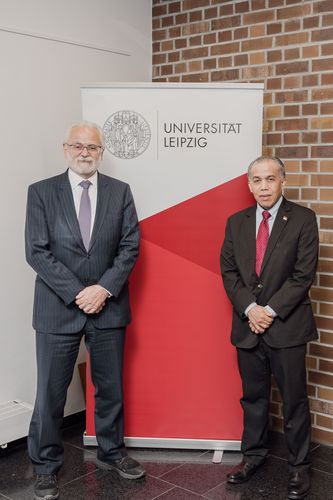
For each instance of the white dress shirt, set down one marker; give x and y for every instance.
(75, 180)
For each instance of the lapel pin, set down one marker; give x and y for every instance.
(285, 217)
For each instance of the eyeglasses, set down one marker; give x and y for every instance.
(91, 148)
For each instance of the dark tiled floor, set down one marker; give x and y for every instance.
(171, 474)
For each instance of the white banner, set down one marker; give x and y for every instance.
(184, 149)
(174, 141)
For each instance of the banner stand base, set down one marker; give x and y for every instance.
(217, 457)
(219, 446)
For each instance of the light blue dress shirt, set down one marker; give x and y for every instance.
(273, 212)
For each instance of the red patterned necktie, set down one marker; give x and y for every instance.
(262, 240)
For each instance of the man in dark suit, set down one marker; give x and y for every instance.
(82, 239)
(268, 262)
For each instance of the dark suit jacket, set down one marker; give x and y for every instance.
(287, 273)
(55, 250)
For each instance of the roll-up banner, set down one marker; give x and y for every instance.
(184, 149)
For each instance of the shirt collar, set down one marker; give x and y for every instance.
(273, 211)
(75, 179)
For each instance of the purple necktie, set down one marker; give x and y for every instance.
(85, 213)
(262, 240)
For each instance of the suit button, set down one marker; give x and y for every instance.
(86, 280)
(260, 285)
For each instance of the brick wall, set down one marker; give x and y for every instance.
(287, 45)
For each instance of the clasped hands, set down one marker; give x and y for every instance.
(91, 299)
(259, 319)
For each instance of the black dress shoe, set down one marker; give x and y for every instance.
(299, 484)
(46, 487)
(243, 474)
(126, 467)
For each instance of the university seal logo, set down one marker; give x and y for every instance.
(127, 134)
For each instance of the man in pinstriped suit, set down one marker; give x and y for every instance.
(81, 289)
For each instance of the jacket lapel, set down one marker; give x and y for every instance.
(103, 196)
(250, 235)
(281, 221)
(67, 204)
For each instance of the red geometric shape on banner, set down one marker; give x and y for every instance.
(194, 229)
(179, 360)
(181, 378)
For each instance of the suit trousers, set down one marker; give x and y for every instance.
(288, 367)
(56, 357)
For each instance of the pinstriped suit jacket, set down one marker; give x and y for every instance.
(55, 250)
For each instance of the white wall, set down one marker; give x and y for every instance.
(39, 98)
